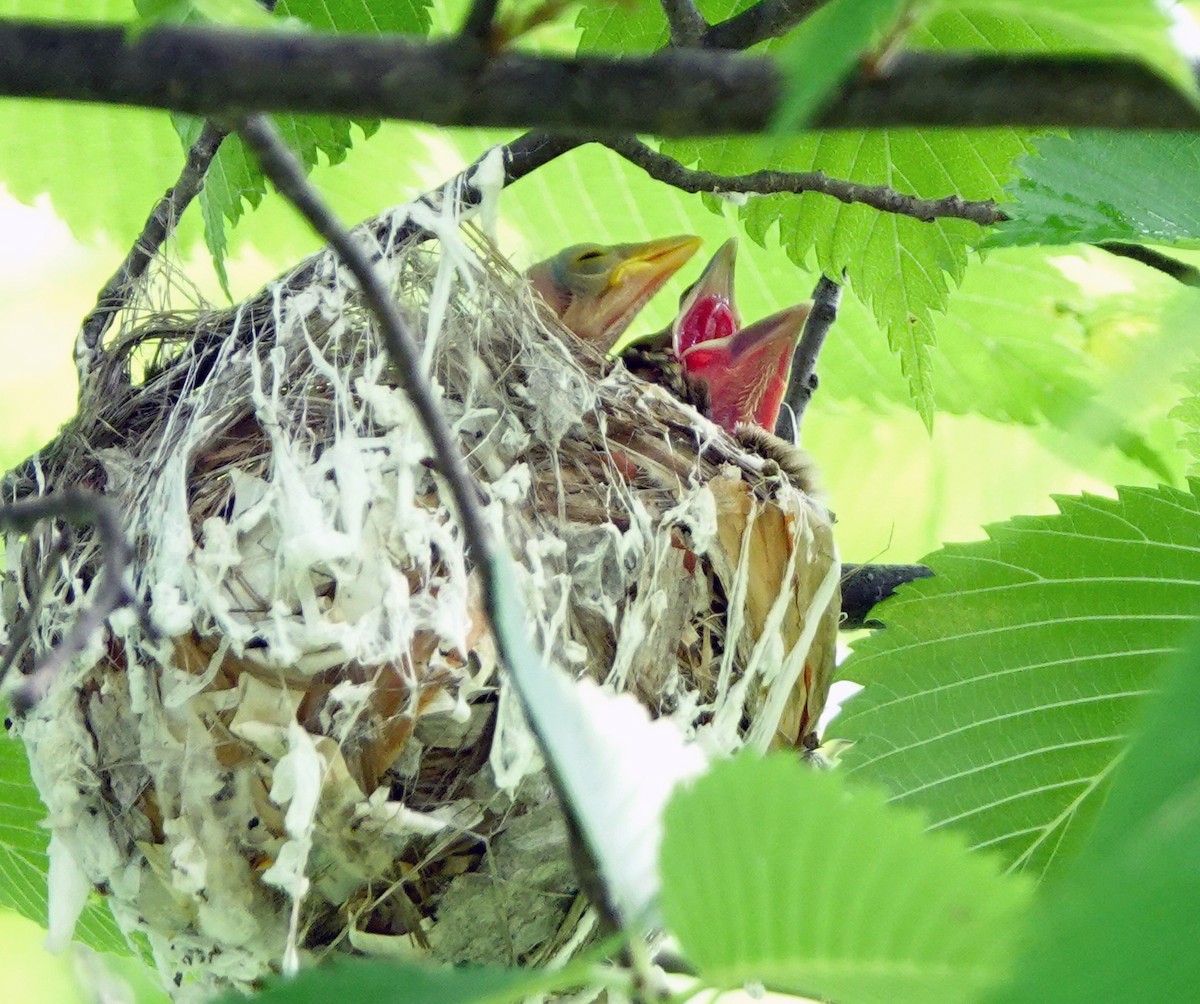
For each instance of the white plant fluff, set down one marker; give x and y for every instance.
(304, 745)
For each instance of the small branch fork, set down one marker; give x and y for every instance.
(158, 227)
(79, 507)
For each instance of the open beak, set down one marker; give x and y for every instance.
(707, 309)
(640, 272)
(761, 358)
(745, 372)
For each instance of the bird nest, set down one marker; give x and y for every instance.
(302, 743)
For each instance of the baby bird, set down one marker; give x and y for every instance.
(596, 291)
(735, 375)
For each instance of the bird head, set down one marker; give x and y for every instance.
(596, 290)
(744, 371)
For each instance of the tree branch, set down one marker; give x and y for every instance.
(477, 26)
(281, 166)
(76, 506)
(685, 21)
(502, 611)
(1181, 271)
(803, 379)
(668, 170)
(865, 585)
(158, 227)
(766, 19)
(227, 74)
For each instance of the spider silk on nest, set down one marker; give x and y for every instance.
(305, 745)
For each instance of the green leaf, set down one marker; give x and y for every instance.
(900, 268)
(1187, 414)
(777, 873)
(235, 175)
(1123, 922)
(238, 13)
(820, 54)
(23, 861)
(1099, 186)
(1139, 29)
(999, 699)
(389, 983)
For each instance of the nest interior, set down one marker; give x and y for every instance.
(304, 745)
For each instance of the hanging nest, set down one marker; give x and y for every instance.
(304, 744)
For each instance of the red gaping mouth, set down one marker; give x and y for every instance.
(709, 318)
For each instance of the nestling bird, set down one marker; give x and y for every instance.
(596, 290)
(734, 375)
(737, 376)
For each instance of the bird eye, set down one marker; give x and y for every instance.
(588, 256)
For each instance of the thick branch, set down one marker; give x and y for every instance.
(223, 73)
(668, 170)
(226, 74)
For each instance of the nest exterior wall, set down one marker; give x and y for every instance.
(306, 746)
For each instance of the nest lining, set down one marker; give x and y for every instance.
(308, 748)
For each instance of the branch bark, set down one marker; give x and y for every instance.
(668, 170)
(765, 20)
(157, 229)
(224, 73)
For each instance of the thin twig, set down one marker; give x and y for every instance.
(687, 25)
(477, 26)
(670, 171)
(158, 227)
(503, 618)
(1181, 271)
(76, 506)
(285, 171)
(121, 284)
(985, 213)
(767, 19)
(803, 380)
(863, 586)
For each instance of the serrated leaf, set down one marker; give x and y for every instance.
(1187, 414)
(901, 268)
(370, 17)
(1098, 186)
(777, 873)
(388, 983)
(23, 859)
(627, 28)
(238, 13)
(235, 176)
(818, 55)
(999, 699)
(1123, 921)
